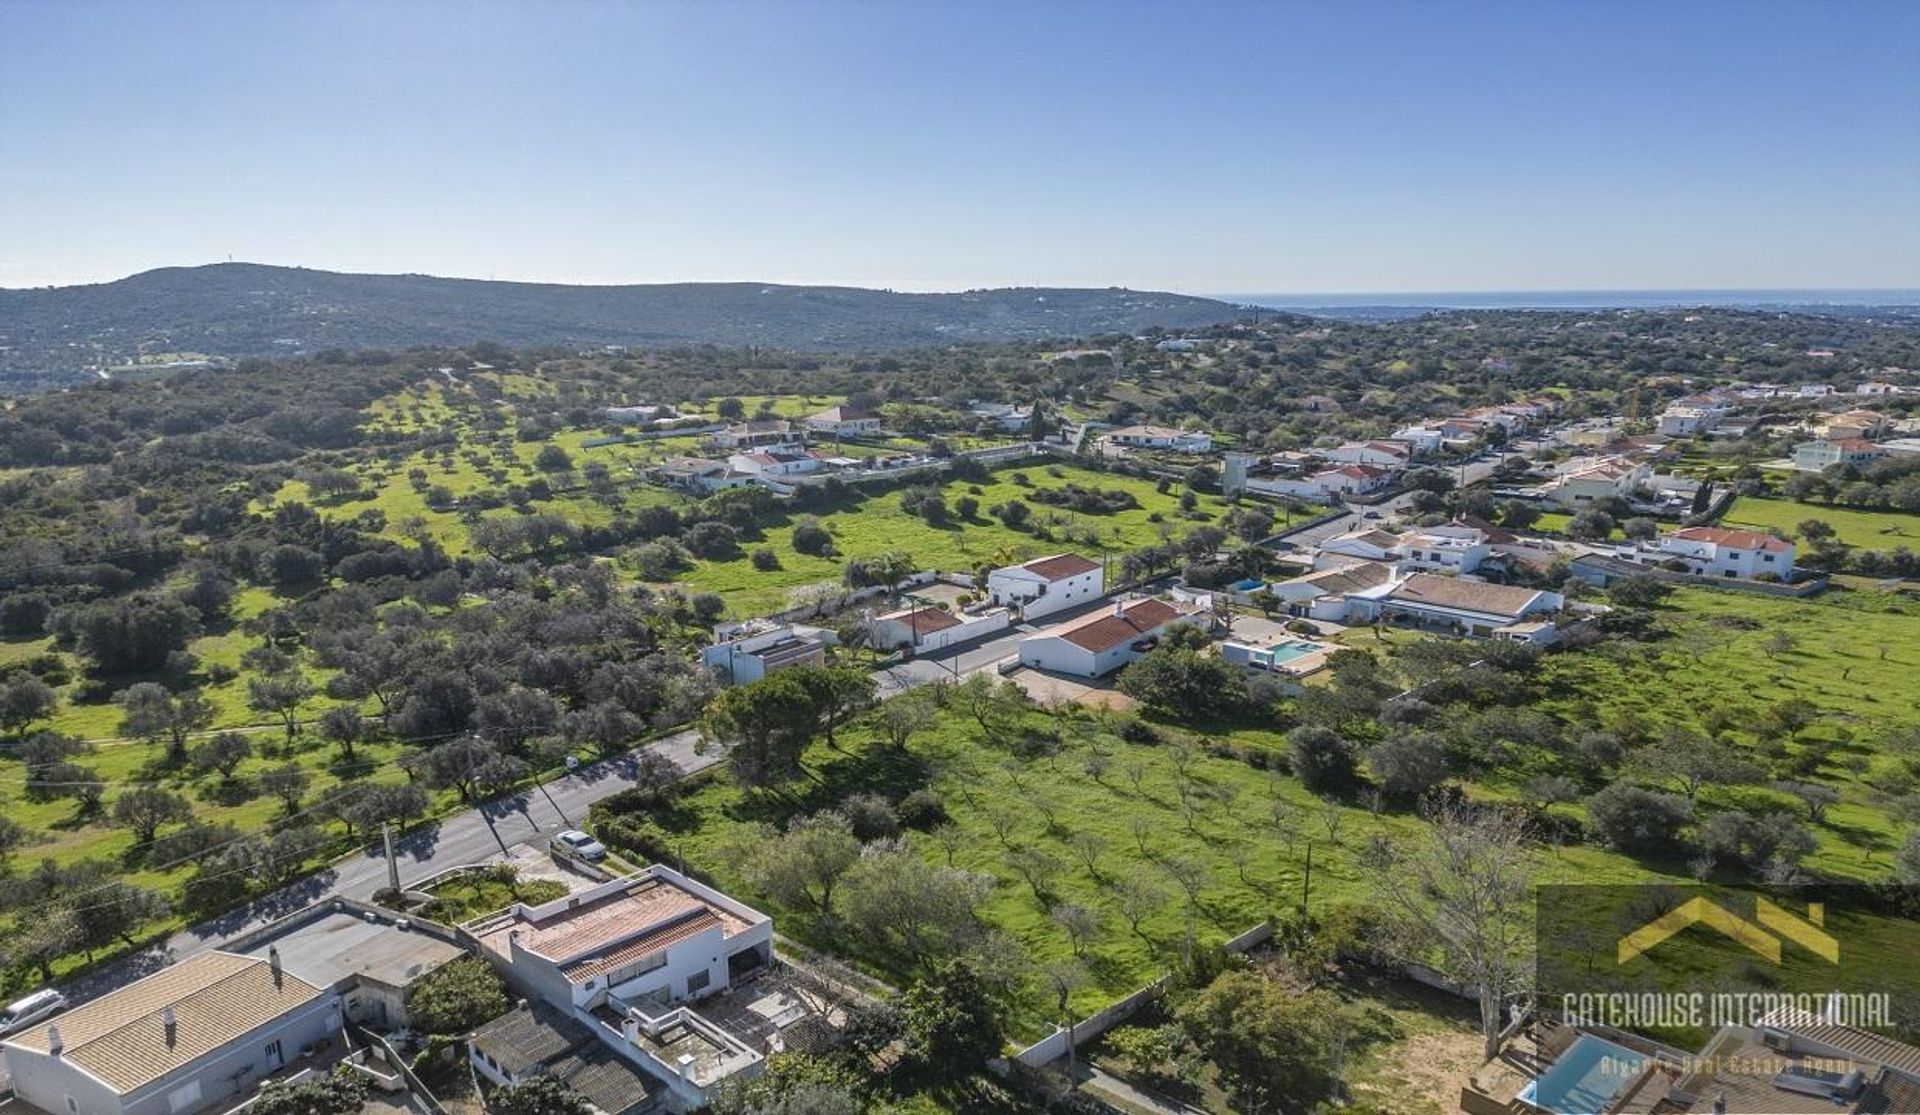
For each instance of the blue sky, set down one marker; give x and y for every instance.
(1199, 147)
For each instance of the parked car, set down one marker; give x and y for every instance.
(25, 1012)
(573, 842)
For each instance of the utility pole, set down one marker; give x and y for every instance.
(393, 864)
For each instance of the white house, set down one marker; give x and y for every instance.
(1423, 439)
(1005, 416)
(1384, 454)
(1448, 548)
(1046, 585)
(749, 651)
(197, 1034)
(844, 421)
(1722, 552)
(757, 434)
(1588, 481)
(1350, 480)
(1101, 643)
(928, 629)
(1158, 437)
(1335, 580)
(776, 461)
(1365, 544)
(1815, 456)
(1685, 420)
(1452, 604)
(699, 474)
(626, 959)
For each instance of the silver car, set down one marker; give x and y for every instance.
(573, 842)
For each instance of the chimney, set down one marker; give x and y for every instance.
(273, 962)
(53, 1040)
(1120, 608)
(685, 1065)
(1720, 1104)
(170, 1022)
(630, 1029)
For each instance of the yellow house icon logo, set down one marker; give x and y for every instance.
(1763, 935)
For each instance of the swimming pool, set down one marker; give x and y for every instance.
(1587, 1077)
(1292, 649)
(1251, 584)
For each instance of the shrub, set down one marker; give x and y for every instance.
(922, 809)
(457, 998)
(809, 537)
(1638, 821)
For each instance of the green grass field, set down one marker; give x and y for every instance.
(876, 523)
(1249, 870)
(1867, 530)
(1853, 657)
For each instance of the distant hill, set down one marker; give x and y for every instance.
(239, 309)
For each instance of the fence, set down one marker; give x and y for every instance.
(1054, 1046)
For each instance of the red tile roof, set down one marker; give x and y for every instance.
(1059, 567)
(1733, 539)
(1104, 632)
(924, 619)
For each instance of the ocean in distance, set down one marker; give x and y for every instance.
(1577, 299)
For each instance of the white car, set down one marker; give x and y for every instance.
(25, 1012)
(573, 842)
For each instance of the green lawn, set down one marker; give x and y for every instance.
(1867, 530)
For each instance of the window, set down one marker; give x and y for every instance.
(698, 981)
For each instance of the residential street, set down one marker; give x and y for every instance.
(463, 838)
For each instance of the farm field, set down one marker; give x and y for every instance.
(1730, 657)
(1244, 867)
(876, 523)
(1866, 530)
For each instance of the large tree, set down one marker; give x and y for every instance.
(953, 1027)
(765, 725)
(1465, 889)
(145, 808)
(1275, 1049)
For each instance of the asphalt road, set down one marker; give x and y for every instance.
(462, 838)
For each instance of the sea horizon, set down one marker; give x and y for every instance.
(1580, 299)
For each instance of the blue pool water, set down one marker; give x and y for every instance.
(1585, 1078)
(1251, 584)
(1288, 651)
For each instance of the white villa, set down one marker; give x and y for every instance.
(1158, 437)
(1099, 644)
(619, 965)
(1047, 584)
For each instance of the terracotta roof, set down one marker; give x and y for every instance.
(1469, 596)
(843, 414)
(626, 952)
(1059, 567)
(217, 998)
(925, 619)
(1733, 539)
(1105, 631)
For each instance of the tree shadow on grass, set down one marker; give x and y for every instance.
(886, 772)
(229, 792)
